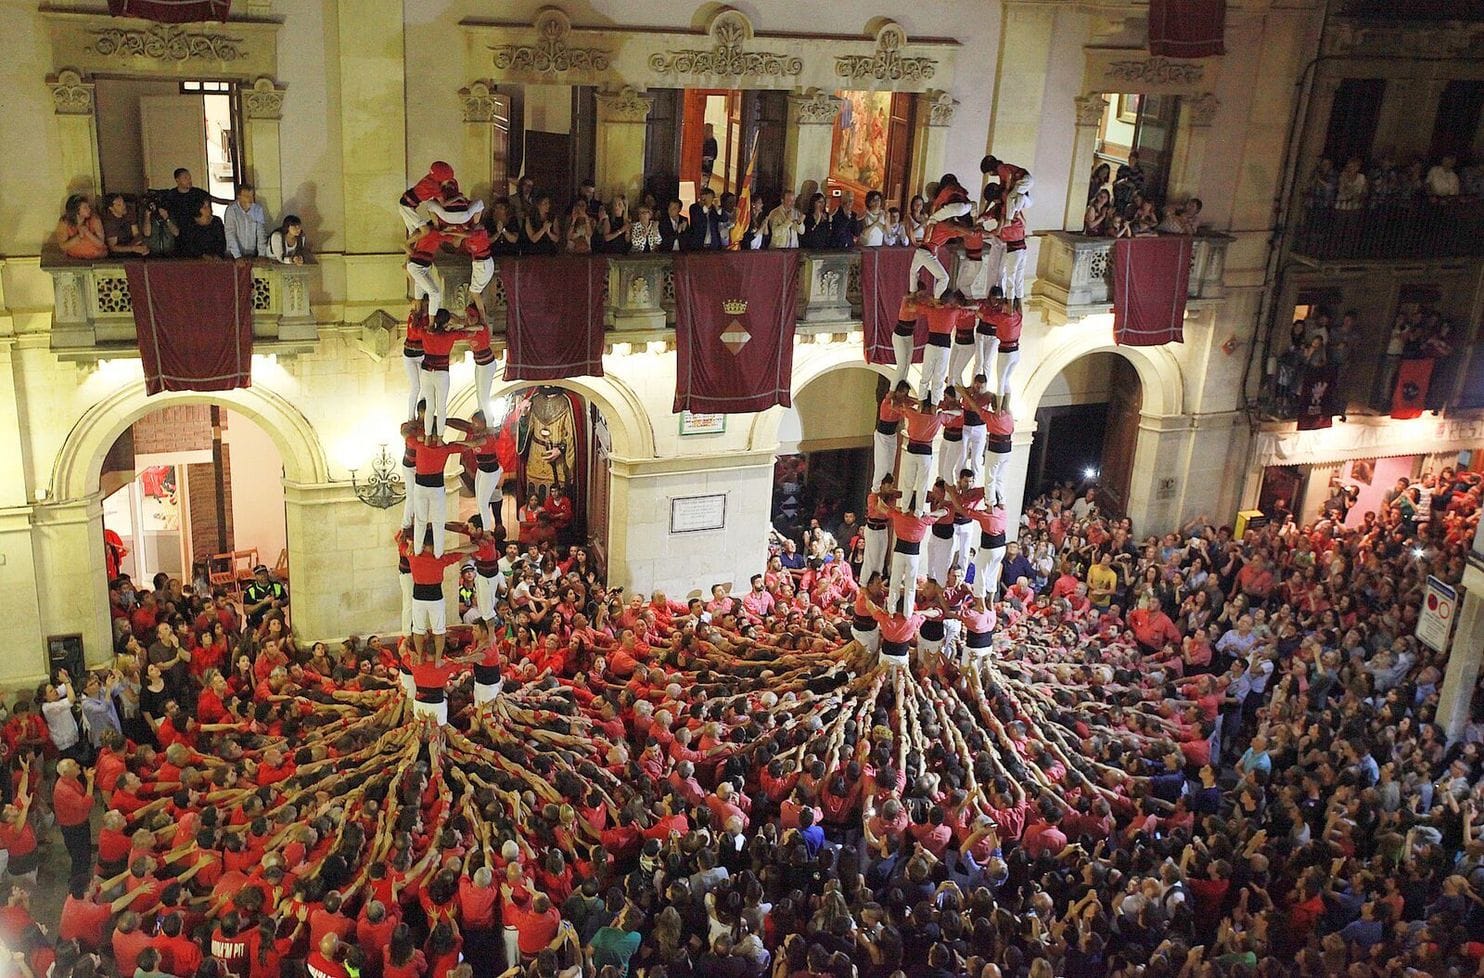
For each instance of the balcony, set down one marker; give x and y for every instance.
(1074, 275)
(1391, 232)
(93, 312)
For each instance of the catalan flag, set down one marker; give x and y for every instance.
(742, 219)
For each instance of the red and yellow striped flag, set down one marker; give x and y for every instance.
(742, 218)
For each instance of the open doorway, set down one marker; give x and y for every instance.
(710, 142)
(1135, 127)
(195, 493)
(147, 128)
(1087, 427)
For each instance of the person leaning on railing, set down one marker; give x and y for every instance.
(80, 231)
(287, 245)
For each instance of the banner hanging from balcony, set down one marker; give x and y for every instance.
(734, 330)
(171, 11)
(1187, 28)
(1316, 406)
(554, 316)
(193, 320)
(1409, 399)
(884, 285)
(1151, 277)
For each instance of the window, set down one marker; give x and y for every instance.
(1353, 119)
(149, 127)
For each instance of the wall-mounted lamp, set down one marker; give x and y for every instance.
(384, 489)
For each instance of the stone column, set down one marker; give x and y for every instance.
(373, 128)
(940, 107)
(342, 563)
(484, 112)
(25, 662)
(262, 109)
(67, 540)
(809, 137)
(1193, 128)
(1027, 34)
(1464, 656)
(1017, 474)
(77, 131)
(1161, 465)
(622, 117)
(1090, 109)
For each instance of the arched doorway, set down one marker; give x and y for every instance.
(193, 491)
(823, 465)
(1087, 427)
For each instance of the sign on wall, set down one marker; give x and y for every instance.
(693, 514)
(1439, 608)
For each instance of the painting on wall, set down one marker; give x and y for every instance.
(858, 153)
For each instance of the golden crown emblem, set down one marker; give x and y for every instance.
(735, 307)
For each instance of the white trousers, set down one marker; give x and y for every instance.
(922, 258)
(409, 474)
(425, 284)
(916, 477)
(934, 370)
(1019, 197)
(874, 555)
(950, 459)
(438, 711)
(429, 616)
(1002, 383)
(963, 544)
(480, 274)
(987, 571)
(484, 381)
(435, 389)
(414, 368)
(953, 633)
(405, 622)
(986, 352)
(1012, 279)
(974, 438)
(903, 582)
(429, 509)
(870, 639)
(939, 556)
(487, 496)
(987, 269)
(961, 356)
(484, 596)
(411, 218)
(994, 483)
(486, 692)
(902, 347)
(883, 457)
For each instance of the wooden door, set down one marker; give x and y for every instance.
(584, 146)
(764, 125)
(173, 134)
(692, 135)
(1154, 139)
(662, 144)
(899, 149)
(500, 163)
(1120, 437)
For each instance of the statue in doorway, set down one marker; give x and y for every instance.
(550, 450)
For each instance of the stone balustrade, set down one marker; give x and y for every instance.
(1074, 275)
(92, 307)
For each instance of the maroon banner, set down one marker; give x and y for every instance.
(1150, 278)
(1409, 398)
(193, 321)
(883, 284)
(171, 11)
(1187, 28)
(554, 316)
(734, 330)
(1316, 398)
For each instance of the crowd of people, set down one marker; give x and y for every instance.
(1078, 752)
(179, 222)
(1385, 182)
(1119, 204)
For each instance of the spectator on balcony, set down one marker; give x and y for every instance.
(613, 226)
(579, 229)
(1101, 179)
(160, 229)
(873, 223)
(538, 229)
(1128, 182)
(709, 152)
(523, 204)
(184, 200)
(673, 226)
(246, 225)
(1343, 341)
(287, 245)
(896, 231)
(120, 230)
(785, 223)
(845, 225)
(755, 238)
(1096, 219)
(80, 231)
(502, 227)
(1322, 186)
(728, 211)
(705, 224)
(644, 233)
(1185, 219)
(1350, 188)
(1442, 180)
(203, 237)
(816, 224)
(1145, 220)
(916, 221)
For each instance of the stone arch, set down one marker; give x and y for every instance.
(628, 422)
(810, 364)
(1159, 373)
(79, 464)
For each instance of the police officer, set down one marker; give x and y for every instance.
(262, 596)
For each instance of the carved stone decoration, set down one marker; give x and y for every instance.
(815, 107)
(941, 106)
(70, 94)
(264, 100)
(1090, 109)
(628, 104)
(480, 104)
(1203, 109)
(1158, 71)
(887, 64)
(551, 54)
(730, 30)
(1441, 40)
(164, 42)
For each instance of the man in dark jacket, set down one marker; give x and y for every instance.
(845, 226)
(705, 224)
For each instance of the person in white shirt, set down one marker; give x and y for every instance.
(873, 224)
(785, 224)
(895, 234)
(246, 225)
(1442, 179)
(57, 711)
(287, 245)
(1082, 508)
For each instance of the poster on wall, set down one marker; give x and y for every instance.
(1435, 622)
(1363, 470)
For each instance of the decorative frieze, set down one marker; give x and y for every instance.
(481, 105)
(166, 42)
(888, 63)
(1158, 71)
(628, 104)
(814, 108)
(1090, 109)
(728, 56)
(70, 94)
(264, 100)
(940, 108)
(1203, 109)
(551, 53)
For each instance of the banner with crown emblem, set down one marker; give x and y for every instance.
(734, 330)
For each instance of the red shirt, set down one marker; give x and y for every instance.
(534, 930)
(1006, 321)
(476, 904)
(428, 569)
(127, 948)
(910, 527)
(948, 318)
(430, 459)
(923, 428)
(84, 921)
(72, 802)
